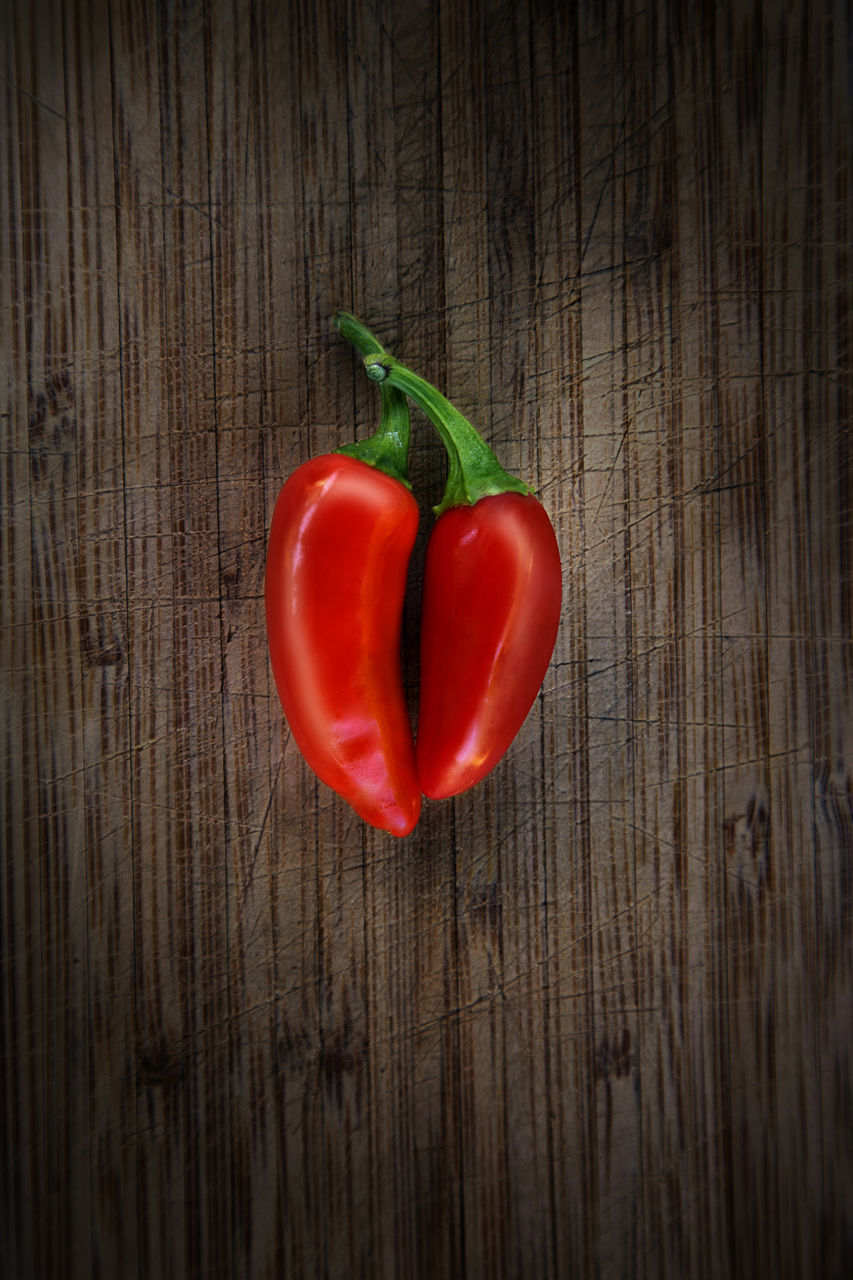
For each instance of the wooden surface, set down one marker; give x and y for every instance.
(594, 1018)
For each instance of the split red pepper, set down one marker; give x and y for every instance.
(491, 602)
(342, 534)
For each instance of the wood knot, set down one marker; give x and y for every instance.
(614, 1057)
(747, 845)
(160, 1067)
(99, 648)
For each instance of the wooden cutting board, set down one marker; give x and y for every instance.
(594, 1017)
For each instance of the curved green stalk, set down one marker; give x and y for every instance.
(388, 449)
(473, 470)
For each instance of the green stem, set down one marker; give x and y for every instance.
(358, 334)
(388, 449)
(473, 470)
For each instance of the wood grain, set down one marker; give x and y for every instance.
(593, 1018)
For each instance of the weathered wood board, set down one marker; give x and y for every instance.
(593, 1018)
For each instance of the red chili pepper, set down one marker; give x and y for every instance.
(491, 602)
(341, 537)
